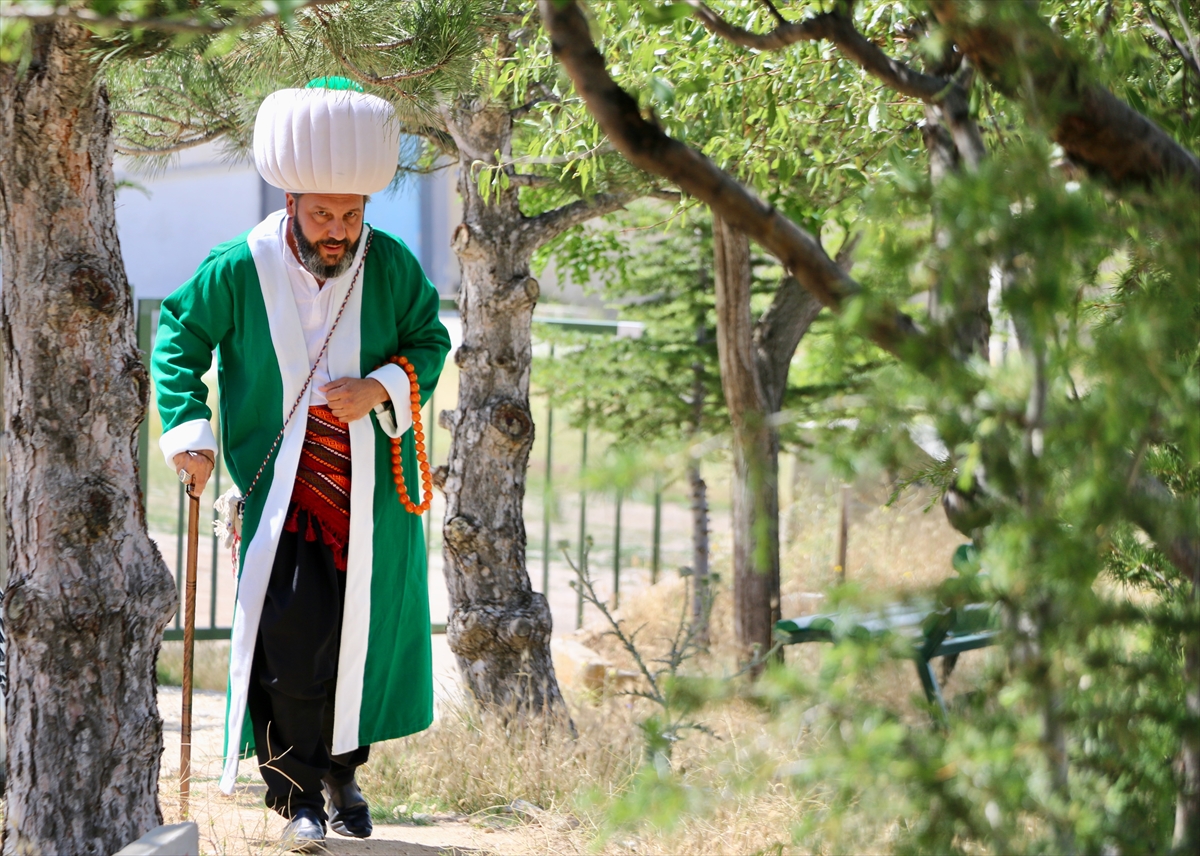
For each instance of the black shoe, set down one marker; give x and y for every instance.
(304, 833)
(349, 813)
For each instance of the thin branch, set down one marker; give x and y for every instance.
(153, 117)
(144, 151)
(649, 148)
(1187, 30)
(583, 582)
(536, 231)
(391, 46)
(522, 180)
(845, 253)
(839, 29)
(1159, 26)
(545, 94)
(949, 94)
(775, 12)
(430, 170)
(90, 18)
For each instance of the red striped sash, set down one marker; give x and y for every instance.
(323, 482)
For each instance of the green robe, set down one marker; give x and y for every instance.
(240, 304)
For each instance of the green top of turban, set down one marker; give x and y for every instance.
(333, 83)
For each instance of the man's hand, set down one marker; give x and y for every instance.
(353, 398)
(199, 465)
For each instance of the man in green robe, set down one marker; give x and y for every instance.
(331, 636)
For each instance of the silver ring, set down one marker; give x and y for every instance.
(184, 476)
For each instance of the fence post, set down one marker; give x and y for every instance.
(546, 494)
(655, 549)
(582, 531)
(145, 343)
(617, 556)
(843, 535)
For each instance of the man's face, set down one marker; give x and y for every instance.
(330, 222)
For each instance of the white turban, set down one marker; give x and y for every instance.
(326, 140)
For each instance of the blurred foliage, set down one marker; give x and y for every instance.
(1092, 386)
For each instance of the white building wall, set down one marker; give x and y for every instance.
(168, 222)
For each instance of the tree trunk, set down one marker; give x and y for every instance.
(88, 593)
(499, 627)
(755, 448)
(756, 535)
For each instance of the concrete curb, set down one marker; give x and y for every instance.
(178, 839)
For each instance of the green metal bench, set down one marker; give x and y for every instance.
(932, 633)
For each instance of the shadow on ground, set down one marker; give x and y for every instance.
(351, 847)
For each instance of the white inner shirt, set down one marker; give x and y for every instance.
(315, 305)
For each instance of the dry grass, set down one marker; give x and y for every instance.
(479, 766)
(210, 669)
(475, 766)
(468, 763)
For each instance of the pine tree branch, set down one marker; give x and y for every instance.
(87, 17)
(389, 80)
(391, 46)
(152, 116)
(650, 149)
(173, 148)
(1170, 521)
(1028, 62)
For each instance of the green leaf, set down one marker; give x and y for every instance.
(665, 14)
(663, 91)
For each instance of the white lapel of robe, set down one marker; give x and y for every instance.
(287, 339)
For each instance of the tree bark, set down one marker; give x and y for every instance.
(88, 593)
(499, 627)
(754, 359)
(755, 448)
(1018, 52)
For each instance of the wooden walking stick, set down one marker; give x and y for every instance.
(189, 644)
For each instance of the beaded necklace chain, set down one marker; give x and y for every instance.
(414, 400)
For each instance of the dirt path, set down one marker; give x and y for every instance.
(240, 824)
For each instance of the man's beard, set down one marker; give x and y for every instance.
(310, 256)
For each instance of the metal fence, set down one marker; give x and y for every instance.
(564, 507)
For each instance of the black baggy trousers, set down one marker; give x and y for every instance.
(294, 675)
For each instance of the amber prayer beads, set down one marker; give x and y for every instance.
(414, 399)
